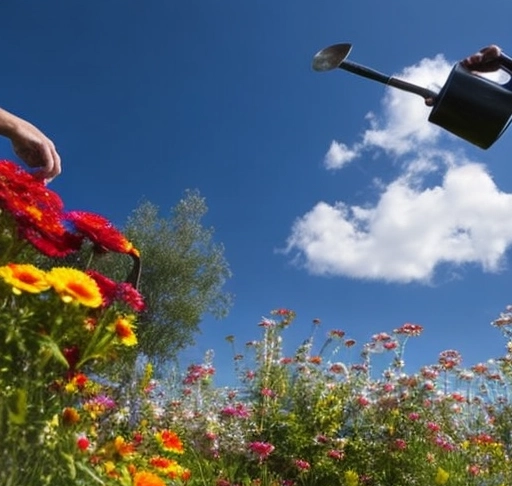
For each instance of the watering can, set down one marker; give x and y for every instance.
(470, 106)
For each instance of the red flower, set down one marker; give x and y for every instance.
(107, 286)
(72, 355)
(112, 291)
(36, 210)
(101, 232)
(127, 293)
(83, 443)
(50, 243)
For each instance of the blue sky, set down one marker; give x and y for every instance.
(332, 194)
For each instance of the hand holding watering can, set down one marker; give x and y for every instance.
(470, 106)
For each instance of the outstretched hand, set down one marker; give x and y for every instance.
(31, 145)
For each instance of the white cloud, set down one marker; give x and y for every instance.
(403, 123)
(409, 231)
(339, 155)
(412, 227)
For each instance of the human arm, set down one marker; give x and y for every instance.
(31, 145)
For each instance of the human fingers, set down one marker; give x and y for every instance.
(485, 60)
(56, 168)
(40, 155)
(49, 163)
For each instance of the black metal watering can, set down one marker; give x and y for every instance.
(470, 106)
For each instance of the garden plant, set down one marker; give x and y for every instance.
(325, 414)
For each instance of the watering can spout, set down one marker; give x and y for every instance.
(335, 56)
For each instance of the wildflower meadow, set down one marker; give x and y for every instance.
(322, 415)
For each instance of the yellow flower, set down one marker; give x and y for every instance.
(123, 327)
(73, 285)
(24, 277)
(351, 478)
(441, 476)
(110, 467)
(144, 478)
(122, 447)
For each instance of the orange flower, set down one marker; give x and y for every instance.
(170, 441)
(169, 467)
(73, 285)
(144, 478)
(24, 277)
(123, 327)
(123, 448)
(70, 416)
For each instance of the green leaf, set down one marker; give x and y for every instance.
(48, 343)
(17, 407)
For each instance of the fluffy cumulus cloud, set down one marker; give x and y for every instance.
(413, 226)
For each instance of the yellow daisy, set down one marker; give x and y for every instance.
(124, 329)
(74, 285)
(24, 277)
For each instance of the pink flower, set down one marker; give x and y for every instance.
(362, 400)
(281, 312)
(267, 323)
(338, 368)
(238, 411)
(400, 444)
(381, 337)
(336, 333)
(449, 359)
(222, 482)
(302, 465)
(261, 449)
(197, 373)
(409, 329)
(390, 345)
(336, 454)
(267, 392)
(414, 416)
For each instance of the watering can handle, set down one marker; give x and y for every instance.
(506, 63)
